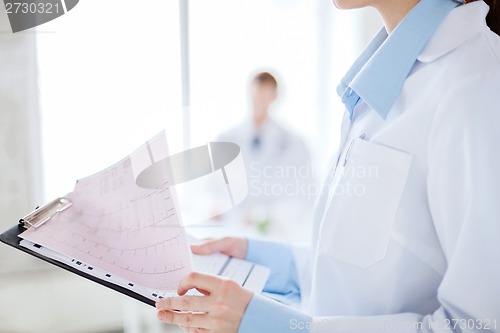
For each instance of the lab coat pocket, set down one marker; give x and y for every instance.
(364, 199)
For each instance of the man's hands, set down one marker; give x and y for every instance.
(224, 301)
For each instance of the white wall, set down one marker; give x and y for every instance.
(53, 300)
(20, 173)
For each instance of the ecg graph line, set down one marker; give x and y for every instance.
(132, 202)
(116, 226)
(103, 227)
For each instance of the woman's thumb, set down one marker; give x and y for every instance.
(208, 247)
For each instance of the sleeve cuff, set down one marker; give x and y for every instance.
(279, 258)
(264, 315)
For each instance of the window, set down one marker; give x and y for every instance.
(109, 80)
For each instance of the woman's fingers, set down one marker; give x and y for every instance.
(184, 303)
(211, 246)
(199, 281)
(204, 292)
(186, 319)
(235, 247)
(193, 330)
(220, 311)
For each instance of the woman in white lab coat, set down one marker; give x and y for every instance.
(406, 230)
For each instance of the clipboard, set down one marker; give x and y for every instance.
(151, 166)
(40, 216)
(254, 280)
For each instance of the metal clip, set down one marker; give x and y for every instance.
(41, 215)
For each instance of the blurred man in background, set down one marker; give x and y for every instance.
(277, 164)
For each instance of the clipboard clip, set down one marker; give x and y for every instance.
(41, 215)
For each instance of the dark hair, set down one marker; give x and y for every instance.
(265, 78)
(493, 17)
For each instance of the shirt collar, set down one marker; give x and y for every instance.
(378, 75)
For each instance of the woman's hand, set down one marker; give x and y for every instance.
(220, 310)
(232, 246)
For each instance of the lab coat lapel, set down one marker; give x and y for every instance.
(467, 22)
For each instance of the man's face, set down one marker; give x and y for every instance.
(263, 94)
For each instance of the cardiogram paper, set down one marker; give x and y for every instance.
(121, 228)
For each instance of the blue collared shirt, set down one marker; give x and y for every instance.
(376, 78)
(378, 75)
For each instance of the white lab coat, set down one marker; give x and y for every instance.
(417, 238)
(278, 147)
(281, 182)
